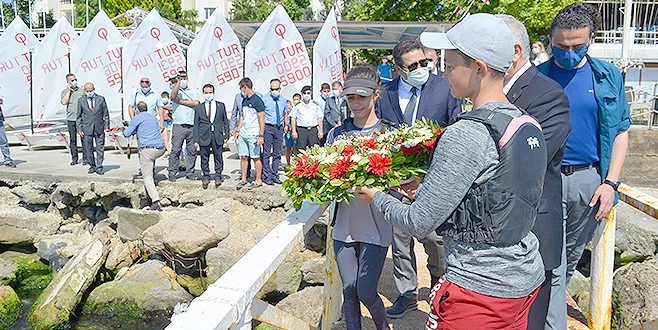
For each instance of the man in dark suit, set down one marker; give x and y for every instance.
(334, 108)
(415, 94)
(93, 121)
(210, 131)
(545, 100)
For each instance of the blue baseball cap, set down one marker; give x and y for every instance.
(482, 37)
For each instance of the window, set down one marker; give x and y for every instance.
(209, 12)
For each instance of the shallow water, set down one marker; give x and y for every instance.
(91, 323)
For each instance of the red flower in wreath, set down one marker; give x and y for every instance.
(349, 151)
(340, 168)
(305, 167)
(429, 144)
(378, 164)
(407, 151)
(439, 131)
(369, 144)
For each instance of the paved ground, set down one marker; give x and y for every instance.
(117, 166)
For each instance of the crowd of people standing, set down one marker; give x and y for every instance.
(181, 123)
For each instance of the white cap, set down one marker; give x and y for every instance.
(482, 37)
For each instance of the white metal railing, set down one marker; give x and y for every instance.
(616, 37)
(231, 301)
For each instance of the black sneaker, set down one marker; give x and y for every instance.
(401, 306)
(268, 182)
(277, 181)
(172, 177)
(10, 164)
(99, 171)
(74, 162)
(91, 170)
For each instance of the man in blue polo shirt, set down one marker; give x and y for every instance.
(185, 99)
(275, 109)
(600, 120)
(151, 147)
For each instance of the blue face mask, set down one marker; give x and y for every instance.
(569, 59)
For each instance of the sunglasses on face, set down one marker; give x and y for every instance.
(413, 66)
(275, 89)
(145, 82)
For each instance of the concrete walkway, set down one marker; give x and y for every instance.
(118, 168)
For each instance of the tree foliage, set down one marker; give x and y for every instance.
(169, 9)
(258, 10)
(536, 15)
(23, 12)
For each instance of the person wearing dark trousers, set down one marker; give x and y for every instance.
(275, 114)
(93, 121)
(70, 97)
(415, 94)
(210, 131)
(600, 119)
(545, 100)
(333, 109)
(4, 144)
(185, 99)
(151, 147)
(307, 120)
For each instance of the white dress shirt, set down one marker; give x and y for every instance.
(404, 94)
(213, 109)
(508, 85)
(307, 114)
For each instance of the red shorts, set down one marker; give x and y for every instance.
(453, 307)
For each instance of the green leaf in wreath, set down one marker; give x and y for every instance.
(336, 182)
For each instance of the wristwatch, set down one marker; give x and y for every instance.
(613, 184)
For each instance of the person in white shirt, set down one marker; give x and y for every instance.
(307, 119)
(539, 54)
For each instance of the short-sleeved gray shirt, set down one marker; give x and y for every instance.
(357, 221)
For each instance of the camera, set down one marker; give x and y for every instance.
(173, 80)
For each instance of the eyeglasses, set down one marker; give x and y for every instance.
(145, 82)
(413, 66)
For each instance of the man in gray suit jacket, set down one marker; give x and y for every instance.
(92, 123)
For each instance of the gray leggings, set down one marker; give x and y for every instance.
(360, 265)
